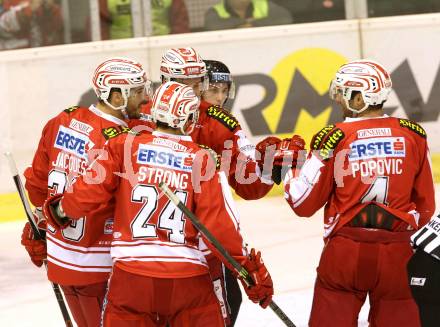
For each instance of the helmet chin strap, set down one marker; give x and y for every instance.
(122, 108)
(355, 111)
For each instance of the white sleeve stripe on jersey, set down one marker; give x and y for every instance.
(301, 186)
(81, 249)
(203, 247)
(78, 268)
(161, 259)
(229, 201)
(75, 258)
(152, 242)
(156, 250)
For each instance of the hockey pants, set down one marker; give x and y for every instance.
(357, 262)
(142, 301)
(85, 303)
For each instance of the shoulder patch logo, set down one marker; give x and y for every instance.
(317, 139)
(330, 143)
(223, 117)
(71, 109)
(112, 132)
(416, 128)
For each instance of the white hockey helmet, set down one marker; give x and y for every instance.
(183, 63)
(176, 105)
(369, 78)
(120, 73)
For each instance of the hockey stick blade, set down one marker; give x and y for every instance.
(205, 232)
(37, 234)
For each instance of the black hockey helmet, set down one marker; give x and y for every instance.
(218, 72)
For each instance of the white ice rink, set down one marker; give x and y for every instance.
(291, 247)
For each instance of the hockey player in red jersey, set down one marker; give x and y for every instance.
(79, 255)
(218, 129)
(221, 87)
(372, 172)
(160, 276)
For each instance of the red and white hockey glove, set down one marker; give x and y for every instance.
(285, 154)
(53, 212)
(35, 248)
(262, 290)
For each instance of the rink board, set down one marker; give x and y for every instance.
(282, 75)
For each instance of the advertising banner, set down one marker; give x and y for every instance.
(282, 75)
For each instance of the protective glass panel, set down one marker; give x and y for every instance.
(378, 8)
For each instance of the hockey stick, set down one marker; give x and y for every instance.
(37, 234)
(205, 232)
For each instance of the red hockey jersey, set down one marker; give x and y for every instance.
(80, 253)
(220, 131)
(151, 235)
(381, 160)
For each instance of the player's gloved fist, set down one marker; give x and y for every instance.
(285, 154)
(35, 248)
(288, 150)
(262, 290)
(267, 147)
(53, 212)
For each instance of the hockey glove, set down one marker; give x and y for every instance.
(262, 290)
(35, 248)
(285, 154)
(53, 212)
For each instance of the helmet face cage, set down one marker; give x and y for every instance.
(218, 72)
(120, 73)
(176, 105)
(365, 76)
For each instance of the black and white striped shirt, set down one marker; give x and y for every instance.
(428, 238)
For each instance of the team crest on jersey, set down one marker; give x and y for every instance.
(416, 128)
(164, 157)
(71, 141)
(329, 143)
(317, 139)
(223, 117)
(378, 147)
(112, 132)
(71, 109)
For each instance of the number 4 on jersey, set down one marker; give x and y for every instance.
(171, 218)
(378, 191)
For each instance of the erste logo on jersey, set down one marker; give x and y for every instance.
(165, 158)
(71, 141)
(378, 147)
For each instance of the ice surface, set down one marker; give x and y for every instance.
(291, 247)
